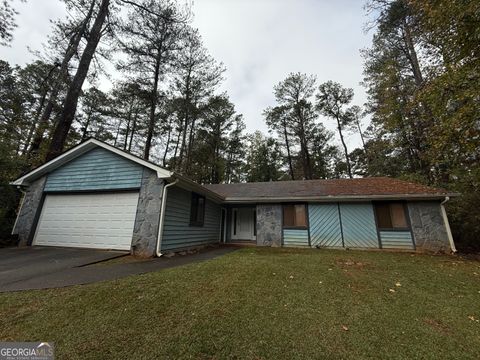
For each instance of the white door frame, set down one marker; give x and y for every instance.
(251, 235)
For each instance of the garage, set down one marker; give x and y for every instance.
(100, 221)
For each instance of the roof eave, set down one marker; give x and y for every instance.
(191, 185)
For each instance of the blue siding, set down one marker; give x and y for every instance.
(396, 240)
(98, 169)
(358, 224)
(324, 223)
(293, 237)
(177, 231)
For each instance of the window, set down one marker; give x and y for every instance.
(295, 216)
(197, 211)
(391, 216)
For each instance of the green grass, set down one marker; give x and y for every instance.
(264, 304)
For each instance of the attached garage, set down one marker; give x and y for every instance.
(93, 196)
(99, 221)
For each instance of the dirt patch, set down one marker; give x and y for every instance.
(438, 326)
(351, 264)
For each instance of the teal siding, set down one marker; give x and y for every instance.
(325, 228)
(396, 240)
(98, 169)
(293, 237)
(177, 231)
(358, 224)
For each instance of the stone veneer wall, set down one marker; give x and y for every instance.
(428, 227)
(145, 231)
(30, 211)
(269, 225)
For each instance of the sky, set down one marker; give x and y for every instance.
(259, 41)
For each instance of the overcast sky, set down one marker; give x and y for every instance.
(259, 41)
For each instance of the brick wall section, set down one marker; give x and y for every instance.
(428, 226)
(145, 231)
(269, 225)
(30, 211)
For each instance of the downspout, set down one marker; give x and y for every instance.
(447, 224)
(158, 247)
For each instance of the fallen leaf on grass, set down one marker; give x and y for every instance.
(471, 317)
(391, 290)
(398, 284)
(344, 328)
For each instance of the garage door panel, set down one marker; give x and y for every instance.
(103, 221)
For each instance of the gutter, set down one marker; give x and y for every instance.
(447, 224)
(268, 199)
(161, 221)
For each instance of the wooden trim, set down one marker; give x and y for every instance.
(86, 192)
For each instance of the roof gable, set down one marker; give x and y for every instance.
(80, 150)
(97, 169)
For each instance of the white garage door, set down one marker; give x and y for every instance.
(101, 221)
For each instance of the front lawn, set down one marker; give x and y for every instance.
(264, 304)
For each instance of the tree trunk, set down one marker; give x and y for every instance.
(289, 156)
(129, 120)
(153, 104)
(174, 165)
(164, 160)
(118, 132)
(191, 138)
(412, 54)
(347, 157)
(62, 73)
(132, 132)
(73, 93)
(85, 128)
(33, 127)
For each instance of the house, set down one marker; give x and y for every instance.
(97, 196)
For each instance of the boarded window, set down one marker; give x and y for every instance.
(197, 210)
(397, 212)
(391, 215)
(295, 216)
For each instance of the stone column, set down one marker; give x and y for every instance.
(269, 225)
(428, 227)
(145, 231)
(30, 212)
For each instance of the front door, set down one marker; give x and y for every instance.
(243, 224)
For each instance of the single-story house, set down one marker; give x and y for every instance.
(97, 196)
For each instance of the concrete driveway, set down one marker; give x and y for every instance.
(31, 268)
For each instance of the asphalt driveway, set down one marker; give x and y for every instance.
(31, 268)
